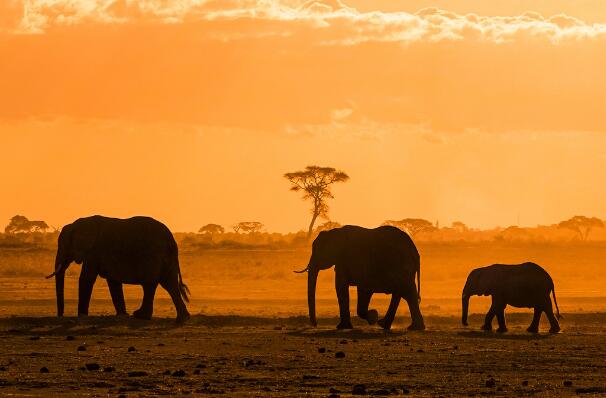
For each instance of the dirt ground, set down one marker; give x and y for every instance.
(104, 356)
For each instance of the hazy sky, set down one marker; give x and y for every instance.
(191, 110)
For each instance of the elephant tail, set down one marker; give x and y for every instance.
(419, 284)
(183, 289)
(556, 303)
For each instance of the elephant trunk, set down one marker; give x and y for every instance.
(59, 286)
(465, 309)
(312, 278)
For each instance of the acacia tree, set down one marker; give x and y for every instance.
(250, 227)
(315, 183)
(211, 229)
(581, 225)
(23, 224)
(411, 225)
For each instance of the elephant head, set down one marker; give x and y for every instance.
(326, 250)
(478, 283)
(75, 240)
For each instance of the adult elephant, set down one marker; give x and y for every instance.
(137, 251)
(379, 260)
(520, 285)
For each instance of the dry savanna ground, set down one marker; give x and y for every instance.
(249, 335)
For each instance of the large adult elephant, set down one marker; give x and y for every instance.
(137, 251)
(520, 285)
(379, 260)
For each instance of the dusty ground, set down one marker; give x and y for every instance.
(242, 356)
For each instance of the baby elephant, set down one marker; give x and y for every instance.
(523, 285)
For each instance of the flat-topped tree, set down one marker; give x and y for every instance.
(315, 183)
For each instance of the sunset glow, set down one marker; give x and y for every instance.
(191, 111)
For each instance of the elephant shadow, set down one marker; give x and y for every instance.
(479, 334)
(92, 325)
(351, 334)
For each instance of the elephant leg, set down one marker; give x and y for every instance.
(175, 294)
(386, 322)
(553, 321)
(412, 299)
(488, 320)
(534, 325)
(85, 289)
(501, 319)
(342, 287)
(115, 289)
(364, 297)
(147, 306)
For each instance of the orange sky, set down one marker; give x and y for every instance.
(190, 110)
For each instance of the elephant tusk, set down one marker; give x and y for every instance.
(61, 269)
(302, 271)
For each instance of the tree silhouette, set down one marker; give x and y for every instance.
(250, 227)
(581, 225)
(411, 225)
(211, 229)
(315, 183)
(327, 226)
(22, 224)
(459, 226)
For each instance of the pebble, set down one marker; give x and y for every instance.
(321, 350)
(70, 338)
(44, 369)
(178, 373)
(137, 373)
(92, 366)
(339, 354)
(132, 349)
(359, 389)
(82, 348)
(108, 369)
(491, 382)
(35, 338)
(567, 383)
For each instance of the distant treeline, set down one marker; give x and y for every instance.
(251, 235)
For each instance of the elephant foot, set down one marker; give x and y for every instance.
(554, 329)
(533, 329)
(416, 326)
(122, 314)
(502, 330)
(141, 314)
(182, 318)
(344, 325)
(383, 323)
(487, 328)
(372, 317)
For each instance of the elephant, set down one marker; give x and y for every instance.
(524, 285)
(137, 251)
(379, 260)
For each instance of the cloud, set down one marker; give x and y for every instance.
(338, 23)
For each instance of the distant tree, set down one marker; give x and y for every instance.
(236, 228)
(315, 183)
(411, 225)
(514, 232)
(22, 224)
(327, 226)
(250, 227)
(581, 225)
(459, 226)
(211, 229)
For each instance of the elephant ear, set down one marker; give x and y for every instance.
(484, 283)
(83, 237)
